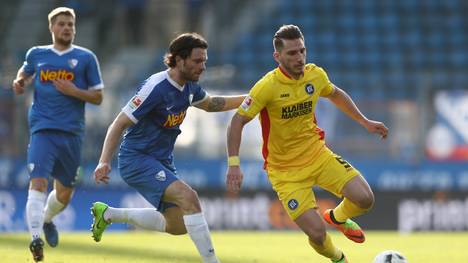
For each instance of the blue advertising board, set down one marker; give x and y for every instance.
(210, 174)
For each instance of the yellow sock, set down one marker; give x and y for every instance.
(327, 249)
(347, 209)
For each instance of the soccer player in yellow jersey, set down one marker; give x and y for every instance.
(294, 150)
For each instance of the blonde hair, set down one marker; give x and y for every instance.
(59, 11)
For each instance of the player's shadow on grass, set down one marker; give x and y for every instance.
(132, 253)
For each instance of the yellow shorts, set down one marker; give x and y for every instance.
(294, 187)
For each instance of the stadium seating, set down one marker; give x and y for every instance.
(389, 47)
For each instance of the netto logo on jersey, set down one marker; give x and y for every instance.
(175, 119)
(297, 110)
(50, 75)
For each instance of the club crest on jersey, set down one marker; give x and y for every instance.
(30, 167)
(72, 62)
(309, 89)
(160, 176)
(293, 204)
(247, 103)
(190, 99)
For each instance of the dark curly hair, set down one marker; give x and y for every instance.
(182, 46)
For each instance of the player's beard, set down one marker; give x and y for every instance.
(64, 42)
(190, 76)
(296, 71)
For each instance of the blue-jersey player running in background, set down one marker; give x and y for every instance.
(152, 119)
(65, 78)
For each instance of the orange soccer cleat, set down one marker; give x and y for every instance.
(349, 228)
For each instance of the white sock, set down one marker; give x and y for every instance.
(146, 218)
(35, 212)
(198, 231)
(53, 207)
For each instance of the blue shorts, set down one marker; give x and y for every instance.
(150, 177)
(54, 153)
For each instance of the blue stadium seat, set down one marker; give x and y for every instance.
(372, 38)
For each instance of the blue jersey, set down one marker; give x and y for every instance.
(51, 109)
(158, 109)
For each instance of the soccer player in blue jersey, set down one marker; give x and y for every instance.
(152, 119)
(65, 78)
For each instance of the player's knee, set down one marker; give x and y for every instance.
(64, 197)
(366, 201)
(189, 202)
(38, 184)
(316, 233)
(317, 237)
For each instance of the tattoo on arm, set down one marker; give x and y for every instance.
(216, 104)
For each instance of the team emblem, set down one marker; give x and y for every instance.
(190, 99)
(309, 89)
(161, 176)
(30, 167)
(293, 204)
(72, 63)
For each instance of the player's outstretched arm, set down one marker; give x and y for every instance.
(220, 103)
(344, 102)
(234, 174)
(21, 81)
(114, 133)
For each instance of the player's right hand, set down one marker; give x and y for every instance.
(101, 173)
(234, 178)
(18, 86)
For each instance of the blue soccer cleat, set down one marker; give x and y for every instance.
(51, 234)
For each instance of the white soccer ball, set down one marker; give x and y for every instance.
(390, 256)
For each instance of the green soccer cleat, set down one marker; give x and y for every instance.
(99, 224)
(342, 260)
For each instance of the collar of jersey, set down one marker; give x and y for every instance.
(282, 77)
(173, 83)
(60, 53)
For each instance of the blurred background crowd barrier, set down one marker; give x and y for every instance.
(403, 62)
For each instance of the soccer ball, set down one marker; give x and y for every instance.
(390, 256)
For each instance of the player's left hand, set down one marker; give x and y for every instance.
(234, 178)
(64, 86)
(376, 127)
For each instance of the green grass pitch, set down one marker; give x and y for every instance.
(234, 247)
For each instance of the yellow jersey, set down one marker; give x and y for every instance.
(291, 137)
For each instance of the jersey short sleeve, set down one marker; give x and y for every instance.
(28, 65)
(256, 100)
(326, 87)
(143, 102)
(198, 93)
(93, 73)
